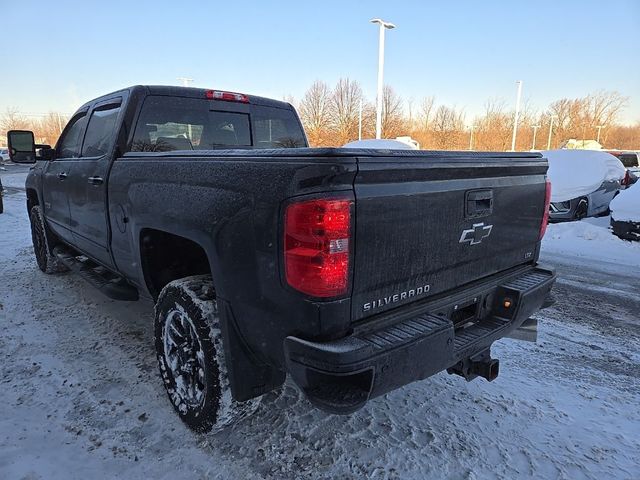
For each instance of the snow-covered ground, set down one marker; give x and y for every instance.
(590, 240)
(80, 396)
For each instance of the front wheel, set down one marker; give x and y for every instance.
(41, 239)
(190, 355)
(582, 209)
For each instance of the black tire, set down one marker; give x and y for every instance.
(187, 311)
(42, 245)
(582, 209)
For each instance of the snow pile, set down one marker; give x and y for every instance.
(626, 206)
(380, 144)
(590, 239)
(574, 173)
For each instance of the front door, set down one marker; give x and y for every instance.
(88, 183)
(55, 179)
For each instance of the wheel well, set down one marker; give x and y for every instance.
(166, 257)
(32, 200)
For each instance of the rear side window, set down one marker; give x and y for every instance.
(69, 144)
(176, 123)
(276, 128)
(100, 132)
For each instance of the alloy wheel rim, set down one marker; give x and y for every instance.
(184, 358)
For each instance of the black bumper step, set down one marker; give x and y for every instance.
(107, 282)
(341, 375)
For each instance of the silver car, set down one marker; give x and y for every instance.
(4, 155)
(592, 205)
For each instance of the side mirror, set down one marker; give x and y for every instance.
(22, 147)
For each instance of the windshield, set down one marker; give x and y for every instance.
(177, 123)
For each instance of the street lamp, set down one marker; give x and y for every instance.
(471, 137)
(550, 130)
(599, 127)
(383, 26)
(535, 131)
(515, 118)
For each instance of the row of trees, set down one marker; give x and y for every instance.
(47, 128)
(331, 117)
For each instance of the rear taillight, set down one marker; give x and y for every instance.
(545, 214)
(316, 246)
(626, 180)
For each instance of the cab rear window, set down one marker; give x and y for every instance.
(177, 123)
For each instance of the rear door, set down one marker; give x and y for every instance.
(88, 182)
(55, 179)
(429, 222)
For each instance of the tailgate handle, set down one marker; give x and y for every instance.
(479, 203)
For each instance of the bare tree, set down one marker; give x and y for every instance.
(315, 113)
(621, 137)
(344, 112)
(49, 128)
(495, 127)
(426, 110)
(13, 120)
(447, 127)
(393, 122)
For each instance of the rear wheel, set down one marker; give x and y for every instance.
(42, 245)
(582, 209)
(191, 358)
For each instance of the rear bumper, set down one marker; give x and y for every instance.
(340, 376)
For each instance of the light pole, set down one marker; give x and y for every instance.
(550, 130)
(471, 137)
(599, 127)
(383, 26)
(535, 131)
(515, 117)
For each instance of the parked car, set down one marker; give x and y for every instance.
(630, 178)
(4, 155)
(625, 214)
(584, 183)
(353, 271)
(629, 158)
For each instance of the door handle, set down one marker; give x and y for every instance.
(62, 175)
(95, 180)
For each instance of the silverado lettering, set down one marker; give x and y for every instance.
(396, 298)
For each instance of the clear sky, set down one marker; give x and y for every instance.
(55, 55)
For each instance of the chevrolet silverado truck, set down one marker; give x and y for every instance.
(353, 271)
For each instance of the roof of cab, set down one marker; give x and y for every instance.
(201, 92)
(190, 92)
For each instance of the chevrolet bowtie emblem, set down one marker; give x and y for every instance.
(476, 234)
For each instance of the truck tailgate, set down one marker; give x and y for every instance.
(427, 222)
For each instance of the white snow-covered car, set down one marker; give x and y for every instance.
(583, 183)
(625, 214)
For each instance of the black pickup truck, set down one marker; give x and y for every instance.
(354, 271)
